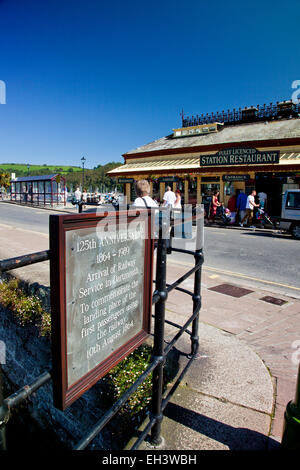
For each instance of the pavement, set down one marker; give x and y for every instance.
(235, 393)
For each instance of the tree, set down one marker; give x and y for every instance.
(5, 180)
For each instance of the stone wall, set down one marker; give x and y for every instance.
(27, 356)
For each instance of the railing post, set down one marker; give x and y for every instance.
(158, 348)
(197, 277)
(196, 300)
(2, 415)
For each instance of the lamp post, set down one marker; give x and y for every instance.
(83, 162)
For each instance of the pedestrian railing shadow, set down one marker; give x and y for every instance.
(234, 438)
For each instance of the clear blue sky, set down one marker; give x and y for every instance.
(97, 78)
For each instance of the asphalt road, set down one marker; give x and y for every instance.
(254, 258)
(247, 257)
(29, 218)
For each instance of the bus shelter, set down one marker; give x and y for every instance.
(39, 190)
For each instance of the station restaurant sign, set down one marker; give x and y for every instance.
(240, 156)
(101, 295)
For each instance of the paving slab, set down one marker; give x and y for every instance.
(197, 422)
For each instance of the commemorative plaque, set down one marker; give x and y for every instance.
(101, 293)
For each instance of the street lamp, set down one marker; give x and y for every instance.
(83, 161)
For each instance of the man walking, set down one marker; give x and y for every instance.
(249, 209)
(169, 197)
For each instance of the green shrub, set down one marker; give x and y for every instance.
(27, 308)
(120, 378)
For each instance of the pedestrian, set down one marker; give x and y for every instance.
(77, 195)
(177, 203)
(241, 203)
(262, 198)
(251, 204)
(143, 200)
(142, 189)
(66, 195)
(84, 198)
(232, 208)
(178, 216)
(169, 198)
(214, 205)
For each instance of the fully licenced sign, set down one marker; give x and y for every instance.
(101, 294)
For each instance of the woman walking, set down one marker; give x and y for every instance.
(214, 206)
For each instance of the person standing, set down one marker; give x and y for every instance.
(251, 204)
(241, 203)
(214, 206)
(232, 208)
(169, 198)
(77, 195)
(84, 198)
(142, 189)
(177, 203)
(262, 198)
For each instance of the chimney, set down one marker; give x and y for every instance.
(285, 109)
(249, 114)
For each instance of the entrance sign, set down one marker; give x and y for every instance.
(240, 156)
(101, 294)
(168, 179)
(235, 178)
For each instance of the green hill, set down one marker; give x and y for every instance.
(93, 178)
(21, 169)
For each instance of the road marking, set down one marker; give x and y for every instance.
(230, 273)
(6, 226)
(11, 227)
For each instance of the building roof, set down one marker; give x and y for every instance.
(152, 165)
(255, 131)
(23, 179)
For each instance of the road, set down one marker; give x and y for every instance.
(251, 258)
(29, 218)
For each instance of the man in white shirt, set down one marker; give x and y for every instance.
(77, 194)
(169, 197)
(249, 209)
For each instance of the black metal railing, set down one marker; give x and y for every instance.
(236, 116)
(160, 352)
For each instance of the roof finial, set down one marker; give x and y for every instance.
(182, 116)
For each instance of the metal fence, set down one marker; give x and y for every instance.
(237, 116)
(160, 351)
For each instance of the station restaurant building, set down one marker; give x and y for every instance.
(251, 148)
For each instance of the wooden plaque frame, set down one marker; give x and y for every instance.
(63, 395)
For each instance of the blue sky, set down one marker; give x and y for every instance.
(95, 78)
